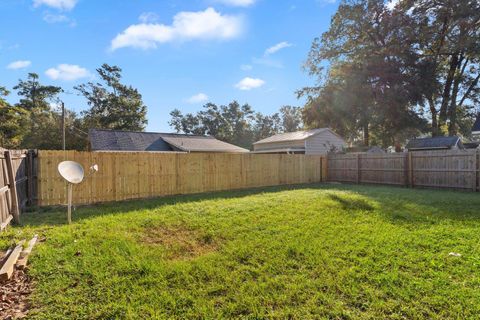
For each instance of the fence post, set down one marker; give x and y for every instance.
(410, 169)
(29, 178)
(326, 168)
(406, 173)
(358, 168)
(475, 171)
(13, 187)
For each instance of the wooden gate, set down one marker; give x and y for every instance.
(17, 184)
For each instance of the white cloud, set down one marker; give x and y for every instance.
(198, 98)
(67, 72)
(277, 47)
(201, 25)
(148, 17)
(55, 18)
(249, 83)
(20, 64)
(237, 3)
(65, 5)
(59, 18)
(246, 67)
(268, 62)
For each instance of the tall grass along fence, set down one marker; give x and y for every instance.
(134, 175)
(17, 183)
(456, 169)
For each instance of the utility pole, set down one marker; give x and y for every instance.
(63, 125)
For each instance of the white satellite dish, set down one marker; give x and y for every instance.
(73, 173)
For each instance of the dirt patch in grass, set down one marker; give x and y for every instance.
(180, 242)
(14, 296)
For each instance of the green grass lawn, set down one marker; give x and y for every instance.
(316, 251)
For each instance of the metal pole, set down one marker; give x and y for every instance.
(63, 125)
(69, 215)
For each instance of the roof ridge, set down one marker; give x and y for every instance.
(151, 132)
(309, 133)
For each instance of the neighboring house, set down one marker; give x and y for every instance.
(315, 141)
(117, 140)
(376, 150)
(436, 143)
(476, 129)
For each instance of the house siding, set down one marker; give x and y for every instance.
(321, 143)
(279, 145)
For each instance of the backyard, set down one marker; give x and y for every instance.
(333, 251)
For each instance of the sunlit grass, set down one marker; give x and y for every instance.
(307, 252)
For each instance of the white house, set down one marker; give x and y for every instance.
(476, 129)
(315, 141)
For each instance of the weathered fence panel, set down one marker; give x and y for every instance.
(453, 169)
(135, 175)
(17, 183)
(343, 167)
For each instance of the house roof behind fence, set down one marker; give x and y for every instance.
(201, 143)
(292, 136)
(433, 143)
(118, 140)
(476, 125)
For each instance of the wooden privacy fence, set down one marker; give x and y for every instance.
(17, 183)
(455, 169)
(135, 175)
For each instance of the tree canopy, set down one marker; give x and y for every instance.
(113, 105)
(235, 123)
(388, 74)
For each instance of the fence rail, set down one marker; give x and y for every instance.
(134, 175)
(17, 184)
(456, 169)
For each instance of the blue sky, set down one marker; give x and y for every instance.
(179, 54)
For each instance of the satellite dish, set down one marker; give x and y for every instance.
(71, 171)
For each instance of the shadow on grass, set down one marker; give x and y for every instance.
(351, 204)
(56, 215)
(398, 205)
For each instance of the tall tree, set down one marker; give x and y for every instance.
(13, 122)
(265, 126)
(231, 123)
(43, 129)
(291, 118)
(448, 46)
(35, 95)
(113, 105)
(371, 81)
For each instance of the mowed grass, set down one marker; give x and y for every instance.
(315, 251)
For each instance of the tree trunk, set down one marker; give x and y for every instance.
(434, 114)
(366, 135)
(447, 89)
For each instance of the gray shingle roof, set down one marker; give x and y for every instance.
(476, 125)
(117, 140)
(292, 136)
(201, 143)
(433, 143)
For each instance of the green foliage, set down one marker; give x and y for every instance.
(39, 126)
(113, 105)
(34, 94)
(291, 118)
(235, 123)
(389, 68)
(13, 119)
(333, 252)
